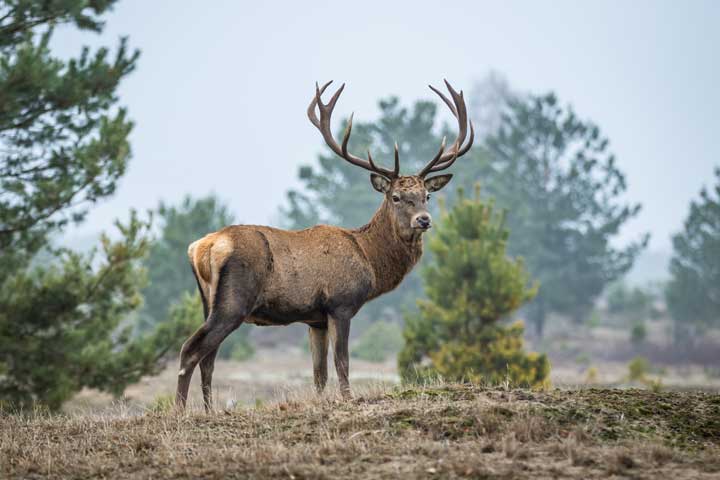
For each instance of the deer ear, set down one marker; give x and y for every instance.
(379, 183)
(433, 184)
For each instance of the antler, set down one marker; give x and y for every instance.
(323, 124)
(445, 159)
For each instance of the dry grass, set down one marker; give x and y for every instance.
(443, 431)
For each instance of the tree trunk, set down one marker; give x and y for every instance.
(537, 317)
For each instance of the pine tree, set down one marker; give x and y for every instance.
(471, 285)
(64, 142)
(65, 318)
(561, 186)
(693, 293)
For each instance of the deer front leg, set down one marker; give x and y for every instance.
(318, 349)
(339, 329)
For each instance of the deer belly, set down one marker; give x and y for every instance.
(266, 315)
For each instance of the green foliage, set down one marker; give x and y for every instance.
(63, 141)
(237, 346)
(162, 403)
(378, 342)
(495, 356)
(168, 266)
(638, 368)
(693, 293)
(591, 375)
(65, 318)
(471, 284)
(632, 303)
(553, 173)
(638, 333)
(65, 325)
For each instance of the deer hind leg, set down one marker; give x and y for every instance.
(339, 329)
(207, 366)
(319, 349)
(233, 299)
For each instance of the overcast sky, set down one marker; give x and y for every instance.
(220, 93)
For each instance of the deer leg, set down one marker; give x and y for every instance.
(235, 293)
(339, 329)
(207, 339)
(207, 365)
(187, 367)
(319, 348)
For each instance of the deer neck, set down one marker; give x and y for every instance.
(390, 255)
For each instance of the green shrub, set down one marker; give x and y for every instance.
(471, 284)
(638, 333)
(638, 368)
(380, 340)
(591, 375)
(237, 346)
(162, 403)
(497, 357)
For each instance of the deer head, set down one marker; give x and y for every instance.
(406, 196)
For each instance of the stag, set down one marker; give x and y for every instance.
(319, 276)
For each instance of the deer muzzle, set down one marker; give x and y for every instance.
(421, 221)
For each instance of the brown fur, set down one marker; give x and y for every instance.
(320, 276)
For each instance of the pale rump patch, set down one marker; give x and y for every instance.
(191, 250)
(222, 247)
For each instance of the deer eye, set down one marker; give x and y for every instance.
(427, 197)
(395, 198)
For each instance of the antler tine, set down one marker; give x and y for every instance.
(370, 160)
(316, 100)
(346, 137)
(458, 153)
(445, 99)
(460, 113)
(445, 159)
(428, 168)
(396, 168)
(324, 125)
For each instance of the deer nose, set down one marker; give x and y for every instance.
(424, 220)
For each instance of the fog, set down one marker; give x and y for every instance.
(220, 93)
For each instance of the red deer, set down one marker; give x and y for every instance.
(319, 276)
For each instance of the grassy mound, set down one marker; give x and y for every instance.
(444, 431)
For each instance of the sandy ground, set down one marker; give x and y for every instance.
(265, 377)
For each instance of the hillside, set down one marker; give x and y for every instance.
(444, 431)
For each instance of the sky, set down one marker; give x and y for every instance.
(221, 89)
